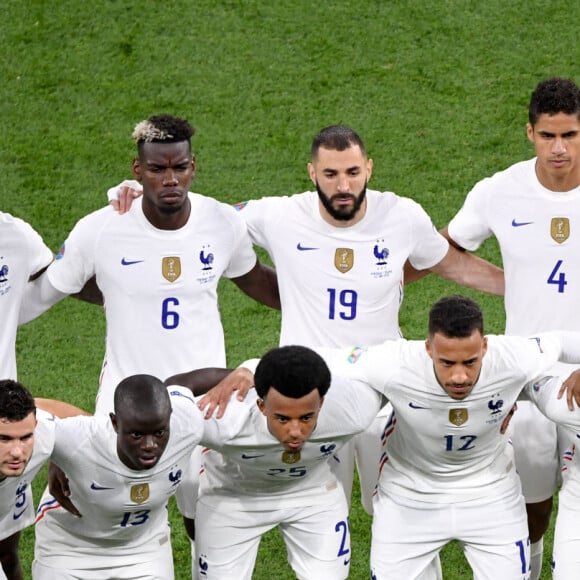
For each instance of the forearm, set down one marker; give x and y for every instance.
(59, 408)
(90, 293)
(9, 557)
(39, 296)
(471, 271)
(199, 381)
(261, 284)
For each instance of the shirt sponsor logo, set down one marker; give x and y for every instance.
(560, 229)
(16, 516)
(97, 487)
(127, 262)
(415, 406)
(302, 248)
(517, 224)
(249, 456)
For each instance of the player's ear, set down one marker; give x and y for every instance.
(312, 173)
(484, 347)
(428, 347)
(137, 169)
(369, 169)
(260, 403)
(114, 422)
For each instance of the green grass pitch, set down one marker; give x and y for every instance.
(438, 91)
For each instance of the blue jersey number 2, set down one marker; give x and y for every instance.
(557, 279)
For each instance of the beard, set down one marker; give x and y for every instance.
(342, 213)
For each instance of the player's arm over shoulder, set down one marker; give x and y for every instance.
(59, 408)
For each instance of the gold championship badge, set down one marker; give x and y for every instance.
(560, 229)
(458, 416)
(290, 457)
(140, 492)
(171, 268)
(343, 259)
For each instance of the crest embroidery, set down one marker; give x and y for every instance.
(560, 229)
(458, 416)
(140, 492)
(171, 268)
(343, 259)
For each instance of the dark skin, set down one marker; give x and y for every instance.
(199, 382)
(166, 170)
(9, 557)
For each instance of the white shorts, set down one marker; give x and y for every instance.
(366, 448)
(566, 555)
(186, 494)
(537, 460)
(408, 534)
(161, 568)
(317, 539)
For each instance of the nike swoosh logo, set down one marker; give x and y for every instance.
(415, 406)
(16, 516)
(302, 248)
(346, 561)
(516, 224)
(244, 456)
(97, 487)
(125, 262)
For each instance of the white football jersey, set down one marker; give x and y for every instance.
(22, 253)
(251, 465)
(16, 501)
(159, 286)
(539, 243)
(439, 449)
(122, 508)
(336, 283)
(543, 394)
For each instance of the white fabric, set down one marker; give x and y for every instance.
(316, 536)
(540, 245)
(529, 222)
(323, 302)
(441, 450)
(249, 471)
(124, 515)
(22, 254)
(159, 286)
(16, 501)
(407, 534)
(247, 489)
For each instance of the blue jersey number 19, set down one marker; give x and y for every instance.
(345, 301)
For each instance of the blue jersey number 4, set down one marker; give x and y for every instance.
(559, 279)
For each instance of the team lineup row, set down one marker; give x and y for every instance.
(340, 253)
